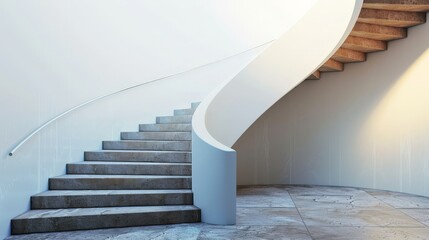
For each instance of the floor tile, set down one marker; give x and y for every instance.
(362, 233)
(320, 190)
(254, 232)
(400, 200)
(421, 215)
(350, 200)
(268, 216)
(354, 217)
(263, 197)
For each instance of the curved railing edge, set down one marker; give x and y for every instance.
(22, 142)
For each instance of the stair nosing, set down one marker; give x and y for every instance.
(66, 193)
(113, 176)
(88, 162)
(139, 151)
(67, 211)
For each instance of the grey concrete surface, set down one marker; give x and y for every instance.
(109, 198)
(187, 111)
(179, 127)
(174, 119)
(306, 212)
(118, 182)
(49, 220)
(166, 136)
(272, 197)
(147, 145)
(142, 156)
(129, 168)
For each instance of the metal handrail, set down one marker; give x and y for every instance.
(123, 90)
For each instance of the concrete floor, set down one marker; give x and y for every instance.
(293, 212)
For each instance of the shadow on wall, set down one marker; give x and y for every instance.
(366, 127)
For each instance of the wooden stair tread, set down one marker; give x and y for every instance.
(391, 18)
(365, 45)
(398, 5)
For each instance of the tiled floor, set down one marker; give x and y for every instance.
(294, 212)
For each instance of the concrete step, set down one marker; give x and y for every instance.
(50, 220)
(147, 145)
(138, 156)
(129, 168)
(187, 111)
(178, 127)
(195, 105)
(174, 119)
(109, 198)
(118, 182)
(163, 136)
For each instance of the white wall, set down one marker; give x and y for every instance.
(57, 54)
(366, 127)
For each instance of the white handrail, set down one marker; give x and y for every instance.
(123, 90)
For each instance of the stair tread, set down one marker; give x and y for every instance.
(161, 132)
(165, 124)
(174, 119)
(103, 176)
(166, 127)
(132, 163)
(148, 141)
(139, 151)
(53, 193)
(77, 212)
(184, 115)
(184, 111)
(156, 135)
(168, 123)
(139, 145)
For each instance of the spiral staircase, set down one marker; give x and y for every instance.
(145, 179)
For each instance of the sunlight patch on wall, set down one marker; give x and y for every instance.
(405, 107)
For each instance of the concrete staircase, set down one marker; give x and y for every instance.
(144, 179)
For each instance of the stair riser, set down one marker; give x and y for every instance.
(165, 127)
(23, 226)
(119, 183)
(181, 112)
(163, 136)
(174, 119)
(118, 200)
(158, 146)
(178, 157)
(124, 169)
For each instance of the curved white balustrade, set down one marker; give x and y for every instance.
(223, 116)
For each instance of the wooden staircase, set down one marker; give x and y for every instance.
(379, 22)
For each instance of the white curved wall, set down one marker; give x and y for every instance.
(229, 110)
(57, 54)
(365, 127)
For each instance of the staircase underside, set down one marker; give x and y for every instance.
(379, 22)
